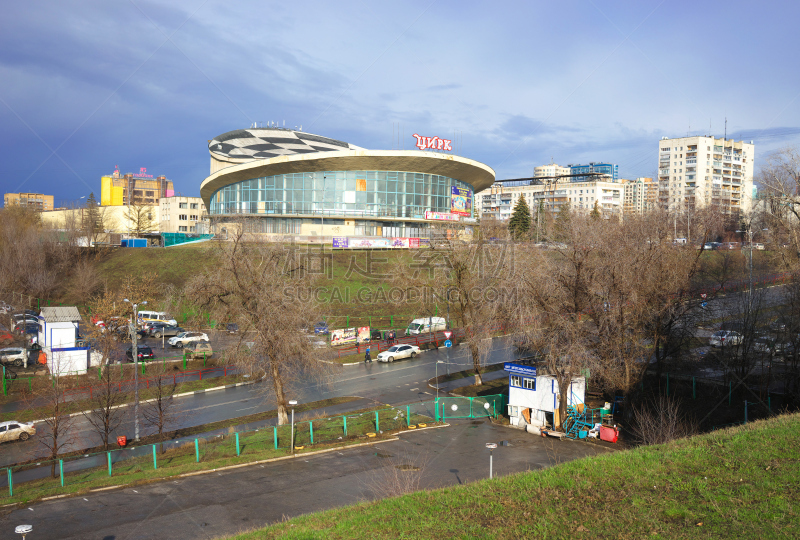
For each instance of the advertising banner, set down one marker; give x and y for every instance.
(520, 369)
(400, 242)
(370, 243)
(424, 242)
(340, 241)
(363, 334)
(461, 201)
(343, 336)
(441, 216)
(413, 243)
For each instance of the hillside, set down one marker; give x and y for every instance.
(739, 482)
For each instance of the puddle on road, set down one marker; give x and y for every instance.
(407, 467)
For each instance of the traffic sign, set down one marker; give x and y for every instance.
(447, 334)
(704, 304)
(448, 343)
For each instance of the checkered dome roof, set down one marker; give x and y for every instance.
(265, 143)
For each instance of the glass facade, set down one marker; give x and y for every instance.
(391, 194)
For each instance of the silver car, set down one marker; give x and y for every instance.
(12, 355)
(721, 338)
(16, 431)
(398, 352)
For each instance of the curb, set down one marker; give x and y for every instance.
(214, 389)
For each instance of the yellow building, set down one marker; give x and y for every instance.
(32, 200)
(134, 188)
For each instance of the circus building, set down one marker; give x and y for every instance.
(287, 182)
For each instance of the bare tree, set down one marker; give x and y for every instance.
(471, 274)
(106, 415)
(661, 420)
(269, 290)
(160, 411)
(58, 435)
(140, 219)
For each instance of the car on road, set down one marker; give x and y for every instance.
(721, 338)
(198, 349)
(12, 356)
(16, 431)
(143, 352)
(321, 328)
(5, 308)
(759, 246)
(184, 338)
(398, 352)
(232, 328)
(159, 330)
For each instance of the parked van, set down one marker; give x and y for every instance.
(425, 325)
(156, 316)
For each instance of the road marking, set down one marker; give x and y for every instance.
(414, 389)
(247, 408)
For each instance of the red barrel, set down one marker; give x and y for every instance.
(609, 434)
(122, 440)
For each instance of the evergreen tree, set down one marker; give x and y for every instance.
(520, 222)
(595, 213)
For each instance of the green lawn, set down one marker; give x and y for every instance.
(734, 483)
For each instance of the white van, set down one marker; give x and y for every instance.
(156, 316)
(425, 325)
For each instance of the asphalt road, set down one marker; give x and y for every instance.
(224, 503)
(397, 383)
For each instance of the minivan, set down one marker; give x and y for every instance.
(425, 325)
(157, 316)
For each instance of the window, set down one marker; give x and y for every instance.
(183, 228)
(529, 384)
(182, 205)
(514, 381)
(195, 206)
(193, 218)
(182, 217)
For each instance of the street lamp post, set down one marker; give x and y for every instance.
(135, 356)
(491, 446)
(293, 403)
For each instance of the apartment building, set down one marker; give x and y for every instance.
(37, 201)
(183, 214)
(134, 188)
(641, 196)
(698, 172)
(498, 201)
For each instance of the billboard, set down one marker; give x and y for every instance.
(340, 242)
(343, 336)
(363, 335)
(461, 201)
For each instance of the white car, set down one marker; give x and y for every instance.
(187, 337)
(16, 431)
(398, 352)
(12, 355)
(722, 338)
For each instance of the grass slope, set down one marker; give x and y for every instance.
(739, 482)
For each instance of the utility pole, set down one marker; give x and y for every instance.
(135, 355)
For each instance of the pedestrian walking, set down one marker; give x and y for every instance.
(367, 357)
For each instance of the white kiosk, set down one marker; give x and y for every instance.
(58, 336)
(533, 397)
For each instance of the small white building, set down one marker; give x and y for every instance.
(534, 398)
(59, 329)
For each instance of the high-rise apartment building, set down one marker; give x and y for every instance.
(134, 188)
(698, 172)
(609, 170)
(32, 200)
(641, 196)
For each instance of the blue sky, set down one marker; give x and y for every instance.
(90, 85)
